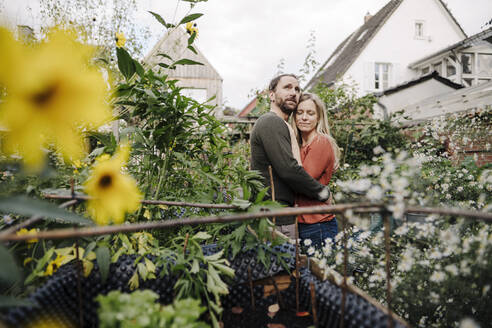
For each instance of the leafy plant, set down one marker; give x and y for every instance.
(140, 310)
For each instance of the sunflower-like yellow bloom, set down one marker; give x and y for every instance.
(191, 28)
(54, 265)
(24, 231)
(52, 96)
(113, 192)
(120, 39)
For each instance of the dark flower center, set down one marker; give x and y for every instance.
(105, 181)
(43, 97)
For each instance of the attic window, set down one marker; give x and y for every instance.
(419, 29)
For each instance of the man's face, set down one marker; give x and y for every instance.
(287, 93)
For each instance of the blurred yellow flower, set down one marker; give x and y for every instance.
(120, 39)
(47, 321)
(24, 231)
(191, 28)
(113, 192)
(52, 96)
(54, 265)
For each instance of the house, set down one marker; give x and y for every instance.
(467, 62)
(201, 82)
(401, 96)
(377, 55)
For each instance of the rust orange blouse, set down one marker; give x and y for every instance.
(318, 160)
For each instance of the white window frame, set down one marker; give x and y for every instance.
(417, 36)
(379, 71)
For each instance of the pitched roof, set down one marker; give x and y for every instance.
(174, 43)
(434, 75)
(485, 35)
(348, 51)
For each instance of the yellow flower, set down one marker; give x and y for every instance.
(52, 95)
(191, 28)
(120, 39)
(113, 192)
(54, 265)
(24, 231)
(27, 260)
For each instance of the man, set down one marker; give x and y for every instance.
(273, 144)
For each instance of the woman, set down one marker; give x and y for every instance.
(319, 156)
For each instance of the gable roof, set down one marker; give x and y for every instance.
(174, 43)
(348, 51)
(485, 35)
(434, 75)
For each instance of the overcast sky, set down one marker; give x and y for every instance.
(245, 40)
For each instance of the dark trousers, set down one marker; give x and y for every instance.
(318, 232)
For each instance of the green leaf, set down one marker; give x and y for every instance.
(159, 19)
(241, 203)
(133, 282)
(163, 65)
(191, 38)
(193, 49)
(27, 207)
(190, 18)
(165, 56)
(9, 301)
(102, 257)
(126, 64)
(186, 62)
(10, 272)
(202, 235)
(139, 69)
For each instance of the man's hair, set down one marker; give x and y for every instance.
(275, 80)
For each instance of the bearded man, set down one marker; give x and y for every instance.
(274, 144)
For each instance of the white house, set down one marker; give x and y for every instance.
(201, 82)
(378, 54)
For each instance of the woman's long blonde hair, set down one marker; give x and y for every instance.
(322, 127)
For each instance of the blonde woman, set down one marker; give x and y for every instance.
(319, 155)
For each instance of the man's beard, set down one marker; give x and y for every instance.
(285, 108)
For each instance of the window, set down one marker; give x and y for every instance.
(419, 30)
(467, 63)
(381, 75)
(437, 67)
(425, 70)
(484, 64)
(450, 69)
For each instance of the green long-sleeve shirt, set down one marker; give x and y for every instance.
(271, 145)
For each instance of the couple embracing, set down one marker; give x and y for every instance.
(302, 154)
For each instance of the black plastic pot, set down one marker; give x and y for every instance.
(58, 299)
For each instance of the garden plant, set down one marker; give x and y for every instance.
(170, 155)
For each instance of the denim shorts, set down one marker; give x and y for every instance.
(318, 232)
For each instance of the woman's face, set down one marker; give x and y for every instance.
(306, 116)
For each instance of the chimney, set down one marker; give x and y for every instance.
(367, 17)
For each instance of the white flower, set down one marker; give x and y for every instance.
(459, 189)
(375, 193)
(376, 169)
(397, 209)
(307, 242)
(452, 268)
(450, 237)
(365, 171)
(468, 323)
(365, 251)
(310, 251)
(339, 258)
(445, 187)
(437, 276)
(434, 297)
(378, 150)
(435, 254)
(360, 185)
(485, 290)
(465, 268)
(7, 219)
(402, 230)
(378, 275)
